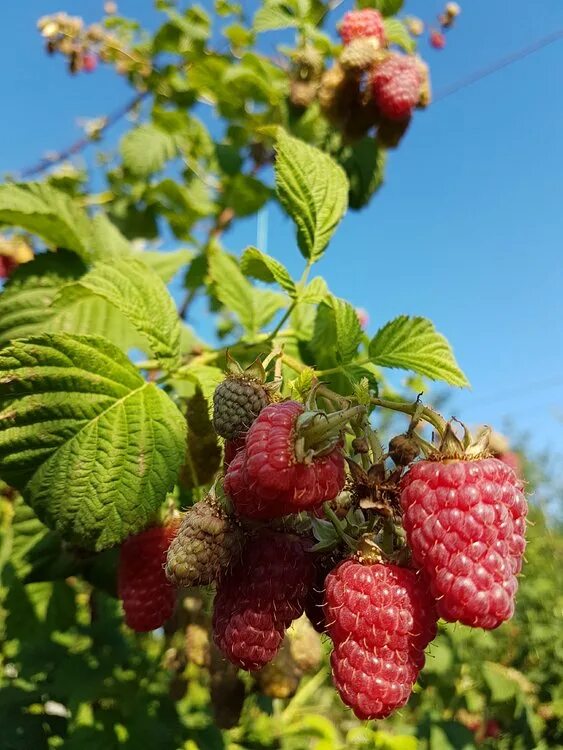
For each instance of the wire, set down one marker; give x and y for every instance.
(499, 65)
(512, 393)
(118, 114)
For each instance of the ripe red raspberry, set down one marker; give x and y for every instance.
(265, 480)
(89, 62)
(362, 23)
(380, 617)
(437, 39)
(232, 447)
(512, 459)
(465, 522)
(148, 598)
(7, 265)
(396, 86)
(260, 597)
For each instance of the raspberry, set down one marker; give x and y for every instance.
(148, 598)
(232, 447)
(237, 402)
(396, 85)
(265, 480)
(89, 62)
(362, 23)
(511, 459)
(381, 618)
(361, 54)
(437, 39)
(260, 597)
(7, 265)
(207, 543)
(465, 523)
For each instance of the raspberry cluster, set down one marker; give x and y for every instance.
(85, 46)
(373, 555)
(371, 86)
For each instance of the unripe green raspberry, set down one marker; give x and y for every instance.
(207, 543)
(237, 402)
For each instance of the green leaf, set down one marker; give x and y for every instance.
(504, 682)
(414, 344)
(139, 294)
(275, 14)
(348, 329)
(166, 264)
(49, 213)
(364, 164)
(263, 267)
(315, 291)
(92, 446)
(107, 240)
(386, 7)
(397, 33)
(146, 149)
(313, 189)
(26, 298)
(25, 304)
(253, 307)
(245, 194)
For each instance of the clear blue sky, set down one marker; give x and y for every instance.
(468, 229)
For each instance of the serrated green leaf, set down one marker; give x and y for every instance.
(253, 307)
(397, 33)
(315, 291)
(166, 264)
(92, 446)
(348, 329)
(263, 267)
(139, 294)
(313, 189)
(245, 194)
(414, 344)
(146, 149)
(25, 301)
(25, 304)
(48, 213)
(275, 14)
(107, 240)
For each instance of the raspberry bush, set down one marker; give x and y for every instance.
(184, 508)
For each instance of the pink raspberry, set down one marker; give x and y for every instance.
(260, 597)
(380, 617)
(465, 523)
(265, 480)
(437, 39)
(362, 23)
(396, 86)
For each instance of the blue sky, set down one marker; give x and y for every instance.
(468, 228)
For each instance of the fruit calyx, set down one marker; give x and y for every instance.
(453, 448)
(318, 433)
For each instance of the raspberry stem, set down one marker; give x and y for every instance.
(427, 414)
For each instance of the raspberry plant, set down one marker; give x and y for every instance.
(118, 416)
